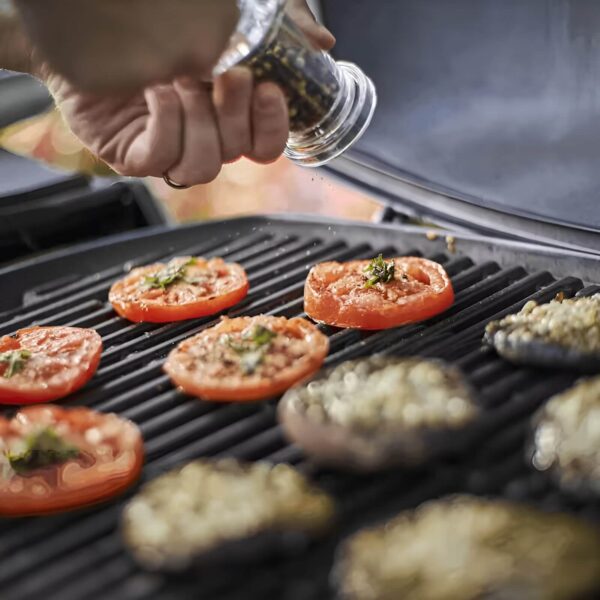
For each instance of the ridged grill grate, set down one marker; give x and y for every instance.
(80, 555)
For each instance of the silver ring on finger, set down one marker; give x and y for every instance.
(173, 184)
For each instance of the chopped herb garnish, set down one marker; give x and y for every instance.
(253, 347)
(378, 271)
(42, 449)
(171, 274)
(15, 359)
(261, 336)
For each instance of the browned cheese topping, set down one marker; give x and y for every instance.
(388, 393)
(194, 509)
(469, 548)
(567, 436)
(573, 323)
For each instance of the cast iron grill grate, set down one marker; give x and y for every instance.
(80, 555)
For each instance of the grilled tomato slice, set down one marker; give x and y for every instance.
(377, 294)
(54, 459)
(248, 358)
(42, 364)
(184, 288)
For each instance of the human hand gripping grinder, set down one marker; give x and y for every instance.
(330, 103)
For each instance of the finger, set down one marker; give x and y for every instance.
(200, 160)
(153, 150)
(316, 33)
(232, 97)
(270, 123)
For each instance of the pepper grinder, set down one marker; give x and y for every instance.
(330, 103)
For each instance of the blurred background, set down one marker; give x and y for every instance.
(242, 188)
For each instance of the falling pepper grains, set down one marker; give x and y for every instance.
(307, 76)
(451, 244)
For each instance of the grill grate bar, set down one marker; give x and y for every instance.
(170, 452)
(260, 446)
(182, 414)
(60, 289)
(59, 571)
(570, 285)
(149, 336)
(159, 349)
(61, 542)
(96, 320)
(436, 329)
(99, 290)
(68, 557)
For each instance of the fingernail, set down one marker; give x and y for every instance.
(327, 36)
(268, 98)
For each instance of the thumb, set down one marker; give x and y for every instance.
(314, 31)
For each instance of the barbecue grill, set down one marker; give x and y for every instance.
(80, 555)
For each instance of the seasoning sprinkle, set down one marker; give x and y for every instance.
(304, 74)
(451, 244)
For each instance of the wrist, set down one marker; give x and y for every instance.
(16, 51)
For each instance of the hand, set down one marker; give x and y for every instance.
(184, 128)
(107, 45)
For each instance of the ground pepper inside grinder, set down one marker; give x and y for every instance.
(330, 104)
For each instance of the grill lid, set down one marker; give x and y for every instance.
(491, 104)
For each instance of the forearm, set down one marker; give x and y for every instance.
(114, 45)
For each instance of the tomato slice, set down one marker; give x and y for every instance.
(42, 364)
(345, 295)
(106, 458)
(248, 358)
(184, 288)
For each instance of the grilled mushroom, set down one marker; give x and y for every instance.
(470, 548)
(560, 334)
(566, 438)
(371, 414)
(210, 513)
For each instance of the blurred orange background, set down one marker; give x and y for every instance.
(241, 188)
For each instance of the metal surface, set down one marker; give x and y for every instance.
(21, 97)
(80, 555)
(487, 108)
(62, 211)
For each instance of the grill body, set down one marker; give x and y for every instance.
(80, 555)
